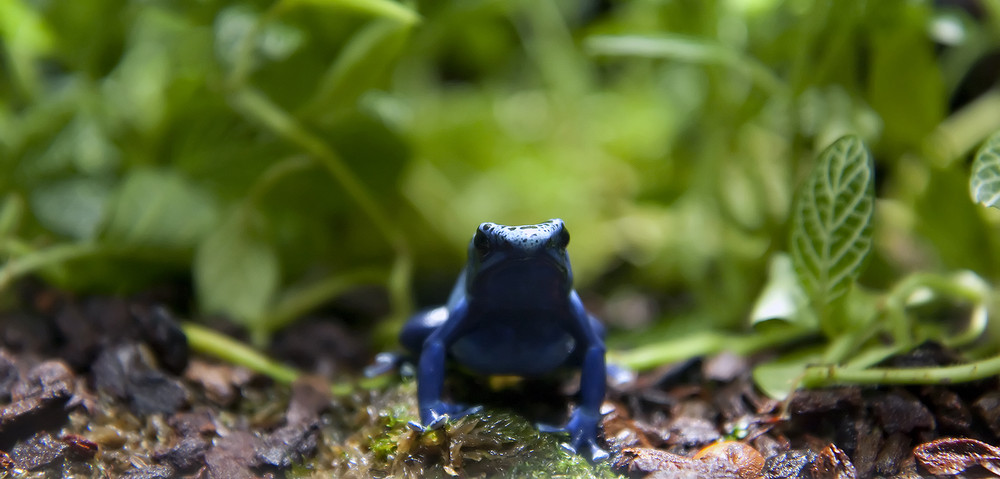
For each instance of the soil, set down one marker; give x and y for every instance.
(106, 387)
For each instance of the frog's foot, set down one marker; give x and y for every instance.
(582, 429)
(435, 416)
(384, 362)
(434, 424)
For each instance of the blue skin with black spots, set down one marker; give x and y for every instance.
(513, 311)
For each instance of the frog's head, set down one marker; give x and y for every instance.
(518, 263)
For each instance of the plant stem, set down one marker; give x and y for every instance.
(843, 346)
(51, 256)
(11, 211)
(210, 342)
(382, 8)
(702, 343)
(297, 302)
(259, 107)
(549, 44)
(820, 376)
(215, 344)
(940, 283)
(896, 299)
(684, 48)
(275, 173)
(963, 130)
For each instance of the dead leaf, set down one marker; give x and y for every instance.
(954, 455)
(833, 463)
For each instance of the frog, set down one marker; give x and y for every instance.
(513, 312)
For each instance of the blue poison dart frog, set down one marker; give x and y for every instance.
(513, 311)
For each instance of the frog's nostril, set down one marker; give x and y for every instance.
(560, 239)
(481, 241)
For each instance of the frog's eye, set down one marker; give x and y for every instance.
(560, 239)
(481, 241)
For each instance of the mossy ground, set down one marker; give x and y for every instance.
(489, 444)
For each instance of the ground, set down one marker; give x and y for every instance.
(106, 387)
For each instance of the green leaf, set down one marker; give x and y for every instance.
(157, 208)
(22, 26)
(11, 212)
(367, 56)
(26, 37)
(241, 31)
(905, 84)
(136, 92)
(83, 145)
(783, 297)
(832, 221)
(984, 183)
(779, 378)
(73, 207)
(685, 48)
(235, 273)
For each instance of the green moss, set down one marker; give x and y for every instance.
(383, 448)
(490, 444)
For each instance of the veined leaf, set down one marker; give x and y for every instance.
(832, 223)
(984, 184)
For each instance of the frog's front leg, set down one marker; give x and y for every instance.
(431, 370)
(416, 331)
(412, 337)
(586, 418)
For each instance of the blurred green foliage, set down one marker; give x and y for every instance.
(281, 152)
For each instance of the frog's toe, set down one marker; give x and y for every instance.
(436, 416)
(580, 425)
(416, 427)
(587, 448)
(549, 428)
(593, 452)
(565, 446)
(582, 429)
(435, 423)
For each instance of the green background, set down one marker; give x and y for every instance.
(277, 154)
